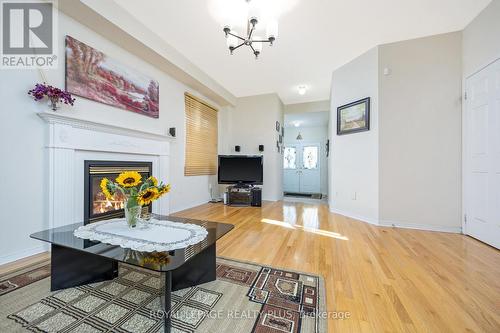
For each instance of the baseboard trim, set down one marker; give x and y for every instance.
(8, 258)
(425, 227)
(354, 216)
(394, 224)
(188, 206)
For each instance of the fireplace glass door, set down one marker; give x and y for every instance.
(96, 206)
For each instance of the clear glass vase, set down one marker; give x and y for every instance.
(132, 215)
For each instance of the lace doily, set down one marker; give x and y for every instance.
(154, 235)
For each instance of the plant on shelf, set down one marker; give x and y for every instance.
(55, 95)
(137, 192)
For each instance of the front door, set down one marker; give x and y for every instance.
(291, 176)
(302, 168)
(482, 155)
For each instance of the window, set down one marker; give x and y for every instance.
(201, 137)
(310, 157)
(290, 157)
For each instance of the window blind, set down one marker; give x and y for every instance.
(201, 137)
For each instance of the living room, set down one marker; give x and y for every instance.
(250, 166)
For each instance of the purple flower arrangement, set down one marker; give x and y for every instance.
(55, 95)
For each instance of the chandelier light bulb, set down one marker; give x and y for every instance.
(253, 21)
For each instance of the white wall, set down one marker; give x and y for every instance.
(317, 134)
(420, 132)
(481, 40)
(406, 171)
(353, 187)
(252, 123)
(23, 134)
(318, 106)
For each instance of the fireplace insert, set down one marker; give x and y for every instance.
(96, 206)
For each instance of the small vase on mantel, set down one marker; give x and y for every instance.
(53, 104)
(53, 94)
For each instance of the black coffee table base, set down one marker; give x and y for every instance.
(73, 268)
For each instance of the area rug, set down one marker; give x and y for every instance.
(24, 277)
(245, 298)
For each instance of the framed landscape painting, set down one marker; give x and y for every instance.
(93, 75)
(354, 117)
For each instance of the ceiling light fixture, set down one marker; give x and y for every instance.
(235, 41)
(302, 90)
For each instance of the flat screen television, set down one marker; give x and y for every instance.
(240, 169)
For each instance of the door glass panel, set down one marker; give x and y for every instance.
(290, 158)
(310, 157)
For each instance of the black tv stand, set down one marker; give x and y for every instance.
(244, 195)
(242, 185)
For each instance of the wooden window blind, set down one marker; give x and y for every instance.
(201, 137)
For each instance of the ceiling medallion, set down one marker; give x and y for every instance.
(235, 41)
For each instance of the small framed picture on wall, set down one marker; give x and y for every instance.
(354, 117)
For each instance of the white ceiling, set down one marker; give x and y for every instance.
(315, 37)
(307, 119)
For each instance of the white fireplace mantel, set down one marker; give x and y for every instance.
(72, 140)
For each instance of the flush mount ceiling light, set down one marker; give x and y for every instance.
(302, 90)
(235, 41)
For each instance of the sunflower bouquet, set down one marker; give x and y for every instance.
(138, 192)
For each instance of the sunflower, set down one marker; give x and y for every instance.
(129, 178)
(147, 196)
(164, 190)
(153, 180)
(105, 189)
(155, 259)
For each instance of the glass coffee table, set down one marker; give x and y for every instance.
(76, 261)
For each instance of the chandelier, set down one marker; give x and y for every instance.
(235, 41)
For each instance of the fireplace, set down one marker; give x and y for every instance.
(96, 206)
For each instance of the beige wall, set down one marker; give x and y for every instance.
(420, 132)
(481, 40)
(252, 122)
(353, 168)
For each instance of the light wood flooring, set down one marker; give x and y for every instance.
(389, 279)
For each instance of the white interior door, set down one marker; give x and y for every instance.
(482, 156)
(301, 164)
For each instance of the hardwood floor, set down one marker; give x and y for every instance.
(390, 280)
(19, 264)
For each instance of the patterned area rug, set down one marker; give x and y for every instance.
(245, 298)
(22, 279)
